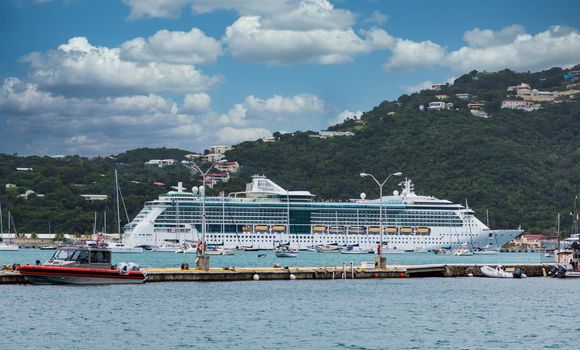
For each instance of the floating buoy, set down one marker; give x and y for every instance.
(376, 275)
(292, 277)
(402, 275)
(256, 277)
(469, 275)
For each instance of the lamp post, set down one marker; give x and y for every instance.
(380, 261)
(202, 260)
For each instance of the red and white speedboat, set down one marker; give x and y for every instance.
(82, 265)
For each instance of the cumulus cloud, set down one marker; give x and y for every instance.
(343, 116)
(310, 15)
(424, 85)
(87, 125)
(192, 47)
(555, 47)
(196, 103)
(52, 123)
(510, 47)
(478, 38)
(247, 39)
(409, 54)
(230, 135)
(377, 18)
(155, 8)
(277, 108)
(79, 68)
(172, 8)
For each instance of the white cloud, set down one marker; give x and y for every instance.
(172, 8)
(490, 50)
(298, 105)
(191, 47)
(195, 103)
(478, 38)
(344, 115)
(409, 54)
(556, 47)
(247, 39)
(310, 15)
(78, 68)
(278, 108)
(91, 125)
(155, 8)
(230, 135)
(377, 18)
(424, 85)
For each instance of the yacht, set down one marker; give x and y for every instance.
(82, 265)
(266, 213)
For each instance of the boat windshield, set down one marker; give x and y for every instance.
(62, 254)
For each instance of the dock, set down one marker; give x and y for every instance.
(228, 274)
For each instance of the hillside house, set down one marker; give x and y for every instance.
(527, 106)
(219, 149)
(212, 179)
(519, 87)
(160, 162)
(441, 97)
(229, 167)
(475, 105)
(463, 96)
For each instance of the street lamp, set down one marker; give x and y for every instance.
(380, 261)
(202, 261)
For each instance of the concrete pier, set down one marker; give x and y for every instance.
(310, 273)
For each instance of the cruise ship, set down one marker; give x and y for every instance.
(265, 214)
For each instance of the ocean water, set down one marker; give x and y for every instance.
(422, 313)
(428, 313)
(249, 259)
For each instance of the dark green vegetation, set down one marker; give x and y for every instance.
(62, 181)
(522, 166)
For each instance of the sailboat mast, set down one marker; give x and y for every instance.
(558, 230)
(1, 227)
(117, 200)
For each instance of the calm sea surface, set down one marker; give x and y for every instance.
(429, 313)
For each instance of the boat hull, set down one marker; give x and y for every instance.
(70, 275)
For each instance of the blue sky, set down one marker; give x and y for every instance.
(101, 77)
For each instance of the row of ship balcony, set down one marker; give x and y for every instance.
(363, 230)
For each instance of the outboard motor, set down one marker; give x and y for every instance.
(553, 271)
(517, 272)
(133, 267)
(122, 267)
(561, 271)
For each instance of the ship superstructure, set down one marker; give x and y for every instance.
(265, 214)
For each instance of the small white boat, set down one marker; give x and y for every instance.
(329, 248)
(486, 252)
(497, 272)
(167, 248)
(8, 247)
(3, 245)
(284, 251)
(355, 249)
(187, 248)
(249, 249)
(220, 251)
(121, 248)
(463, 252)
